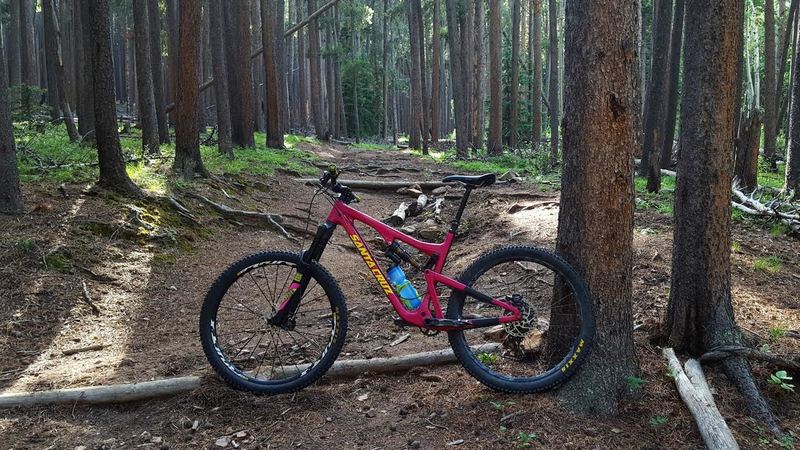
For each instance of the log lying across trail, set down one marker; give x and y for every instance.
(356, 367)
(694, 391)
(117, 393)
(381, 185)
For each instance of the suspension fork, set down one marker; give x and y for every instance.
(301, 279)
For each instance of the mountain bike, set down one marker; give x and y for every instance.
(519, 319)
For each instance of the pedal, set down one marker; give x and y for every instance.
(402, 323)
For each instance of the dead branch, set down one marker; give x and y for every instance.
(724, 352)
(91, 348)
(398, 216)
(695, 393)
(437, 209)
(117, 393)
(380, 185)
(88, 299)
(274, 220)
(417, 207)
(357, 367)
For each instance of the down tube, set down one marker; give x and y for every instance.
(416, 319)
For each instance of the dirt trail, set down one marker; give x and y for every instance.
(149, 295)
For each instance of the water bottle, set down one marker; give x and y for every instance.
(407, 292)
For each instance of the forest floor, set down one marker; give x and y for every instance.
(148, 285)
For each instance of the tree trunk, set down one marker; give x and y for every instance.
(674, 74)
(272, 24)
(218, 61)
(424, 94)
(187, 125)
(55, 64)
(86, 114)
(600, 120)
(536, 85)
(436, 71)
(770, 80)
(700, 314)
(477, 112)
(746, 166)
(13, 45)
(657, 91)
(513, 119)
(494, 145)
(315, 64)
(415, 118)
(144, 79)
(154, 15)
(27, 45)
(173, 58)
(456, 25)
(552, 63)
(792, 184)
(112, 168)
(10, 194)
(238, 59)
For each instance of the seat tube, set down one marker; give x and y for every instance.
(457, 220)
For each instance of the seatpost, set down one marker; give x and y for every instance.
(457, 220)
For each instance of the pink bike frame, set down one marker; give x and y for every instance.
(346, 216)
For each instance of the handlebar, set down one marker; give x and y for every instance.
(329, 180)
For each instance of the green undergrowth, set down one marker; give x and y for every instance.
(49, 156)
(663, 201)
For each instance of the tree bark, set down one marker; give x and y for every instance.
(10, 193)
(770, 80)
(52, 37)
(86, 115)
(13, 45)
(746, 166)
(657, 90)
(27, 45)
(188, 162)
(792, 183)
(315, 73)
(494, 145)
(436, 71)
(112, 168)
(415, 118)
(676, 44)
(477, 112)
(144, 79)
(536, 85)
(239, 75)
(600, 120)
(456, 25)
(154, 15)
(700, 313)
(552, 63)
(272, 23)
(424, 94)
(218, 61)
(513, 119)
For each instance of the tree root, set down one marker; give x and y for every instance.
(276, 221)
(729, 351)
(738, 371)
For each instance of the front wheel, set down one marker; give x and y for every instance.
(548, 344)
(251, 354)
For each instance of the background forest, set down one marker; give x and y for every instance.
(654, 144)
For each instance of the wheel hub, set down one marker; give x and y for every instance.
(526, 324)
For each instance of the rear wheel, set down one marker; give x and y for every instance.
(529, 355)
(248, 352)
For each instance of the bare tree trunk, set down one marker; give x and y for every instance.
(385, 65)
(770, 80)
(144, 79)
(792, 184)
(494, 145)
(477, 111)
(154, 15)
(536, 86)
(112, 168)
(315, 63)
(86, 116)
(459, 73)
(553, 70)
(414, 135)
(657, 89)
(13, 45)
(27, 47)
(218, 60)
(700, 314)
(436, 71)
(55, 64)
(10, 193)
(600, 120)
(424, 94)
(513, 120)
(676, 45)
(188, 162)
(272, 23)
(173, 57)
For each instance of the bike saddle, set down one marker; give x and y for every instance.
(476, 181)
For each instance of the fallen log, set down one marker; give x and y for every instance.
(380, 185)
(695, 393)
(356, 367)
(273, 219)
(728, 351)
(75, 351)
(117, 393)
(417, 207)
